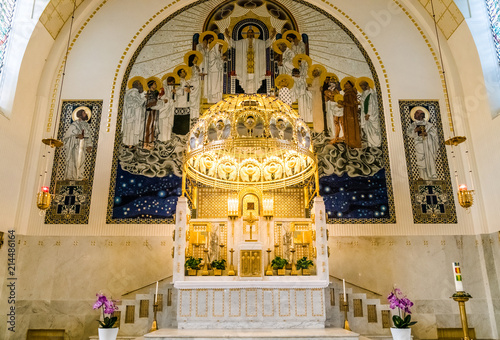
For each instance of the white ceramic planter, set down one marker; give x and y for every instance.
(401, 333)
(108, 333)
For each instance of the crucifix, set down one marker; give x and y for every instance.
(250, 220)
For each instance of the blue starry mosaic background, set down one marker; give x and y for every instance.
(139, 196)
(355, 197)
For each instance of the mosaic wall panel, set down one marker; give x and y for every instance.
(428, 171)
(286, 203)
(354, 166)
(74, 162)
(212, 203)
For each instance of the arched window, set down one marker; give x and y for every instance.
(494, 14)
(6, 13)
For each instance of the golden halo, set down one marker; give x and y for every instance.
(139, 78)
(332, 75)
(279, 78)
(224, 44)
(279, 41)
(338, 97)
(415, 109)
(171, 74)
(319, 67)
(197, 53)
(186, 68)
(343, 81)
(158, 82)
(301, 56)
(256, 32)
(86, 109)
(297, 34)
(370, 82)
(202, 35)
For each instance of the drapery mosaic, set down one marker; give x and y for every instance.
(431, 190)
(74, 162)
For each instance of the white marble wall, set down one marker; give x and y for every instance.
(58, 277)
(422, 267)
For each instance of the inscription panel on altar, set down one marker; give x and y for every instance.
(250, 263)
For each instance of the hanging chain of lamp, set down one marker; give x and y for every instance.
(44, 196)
(465, 195)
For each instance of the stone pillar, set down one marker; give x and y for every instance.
(321, 242)
(180, 238)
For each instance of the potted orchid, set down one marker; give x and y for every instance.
(402, 321)
(108, 306)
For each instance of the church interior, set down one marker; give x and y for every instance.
(251, 169)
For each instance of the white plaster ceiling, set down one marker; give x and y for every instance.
(448, 15)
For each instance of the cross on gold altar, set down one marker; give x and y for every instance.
(250, 220)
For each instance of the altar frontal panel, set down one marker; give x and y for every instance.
(251, 308)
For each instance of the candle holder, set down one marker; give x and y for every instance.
(465, 198)
(231, 267)
(233, 218)
(346, 322)
(462, 298)
(154, 326)
(269, 271)
(204, 271)
(294, 268)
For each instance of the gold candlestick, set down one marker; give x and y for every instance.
(346, 323)
(204, 271)
(269, 271)
(232, 218)
(294, 268)
(154, 326)
(231, 267)
(221, 253)
(462, 298)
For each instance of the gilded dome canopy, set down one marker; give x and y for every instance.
(250, 140)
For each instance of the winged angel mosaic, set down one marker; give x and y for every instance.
(286, 49)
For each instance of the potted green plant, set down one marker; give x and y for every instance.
(218, 266)
(402, 321)
(304, 264)
(279, 263)
(192, 265)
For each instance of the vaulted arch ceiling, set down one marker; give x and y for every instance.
(448, 15)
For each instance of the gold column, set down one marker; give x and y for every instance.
(195, 198)
(184, 181)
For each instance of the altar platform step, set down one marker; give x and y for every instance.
(252, 334)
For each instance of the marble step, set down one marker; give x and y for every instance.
(119, 337)
(251, 334)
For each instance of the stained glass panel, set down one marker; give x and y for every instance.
(6, 13)
(494, 14)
